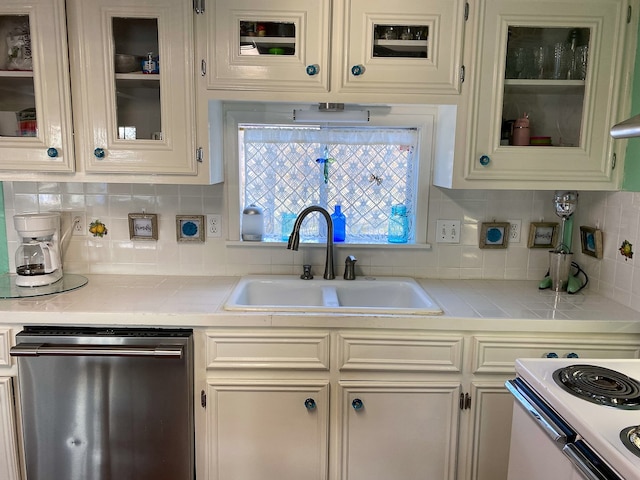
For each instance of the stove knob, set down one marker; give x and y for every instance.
(552, 355)
(572, 355)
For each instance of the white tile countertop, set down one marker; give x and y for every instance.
(198, 301)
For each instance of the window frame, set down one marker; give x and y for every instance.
(421, 117)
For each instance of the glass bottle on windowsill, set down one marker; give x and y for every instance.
(339, 224)
(398, 225)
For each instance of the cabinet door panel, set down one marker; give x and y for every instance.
(491, 417)
(412, 46)
(291, 36)
(266, 430)
(571, 112)
(35, 99)
(406, 431)
(9, 466)
(136, 118)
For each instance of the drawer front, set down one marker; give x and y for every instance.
(412, 353)
(498, 355)
(267, 351)
(5, 344)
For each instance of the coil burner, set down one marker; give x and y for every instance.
(600, 385)
(631, 439)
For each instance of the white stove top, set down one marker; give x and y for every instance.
(598, 425)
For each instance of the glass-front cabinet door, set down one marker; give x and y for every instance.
(549, 79)
(35, 100)
(282, 46)
(135, 98)
(414, 47)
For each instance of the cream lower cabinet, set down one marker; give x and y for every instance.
(9, 452)
(267, 405)
(9, 463)
(268, 430)
(400, 430)
(278, 408)
(357, 405)
(486, 453)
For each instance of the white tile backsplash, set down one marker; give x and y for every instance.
(616, 213)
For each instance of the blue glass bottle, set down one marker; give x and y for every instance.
(339, 224)
(398, 225)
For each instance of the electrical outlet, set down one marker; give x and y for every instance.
(514, 230)
(447, 231)
(214, 225)
(79, 221)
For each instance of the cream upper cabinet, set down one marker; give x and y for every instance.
(133, 92)
(339, 46)
(549, 81)
(35, 100)
(280, 46)
(408, 45)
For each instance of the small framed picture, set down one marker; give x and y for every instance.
(494, 235)
(190, 228)
(591, 240)
(143, 226)
(543, 235)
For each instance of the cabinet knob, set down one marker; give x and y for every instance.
(357, 404)
(572, 355)
(357, 70)
(99, 152)
(552, 355)
(312, 70)
(310, 403)
(52, 152)
(484, 160)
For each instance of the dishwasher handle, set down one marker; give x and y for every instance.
(71, 350)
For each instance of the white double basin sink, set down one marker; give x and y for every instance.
(364, 295)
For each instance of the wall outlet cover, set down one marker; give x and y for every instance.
(447, 231)
(214, 225)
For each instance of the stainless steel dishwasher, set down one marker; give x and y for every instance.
(106, 403)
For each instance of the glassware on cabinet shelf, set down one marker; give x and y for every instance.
(138, 96)
(402, 41)
(18, 116)
(267, 38)
(545, 72)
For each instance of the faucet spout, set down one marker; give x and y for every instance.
(294, 238)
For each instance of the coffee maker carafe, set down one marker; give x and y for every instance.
(38, 256)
